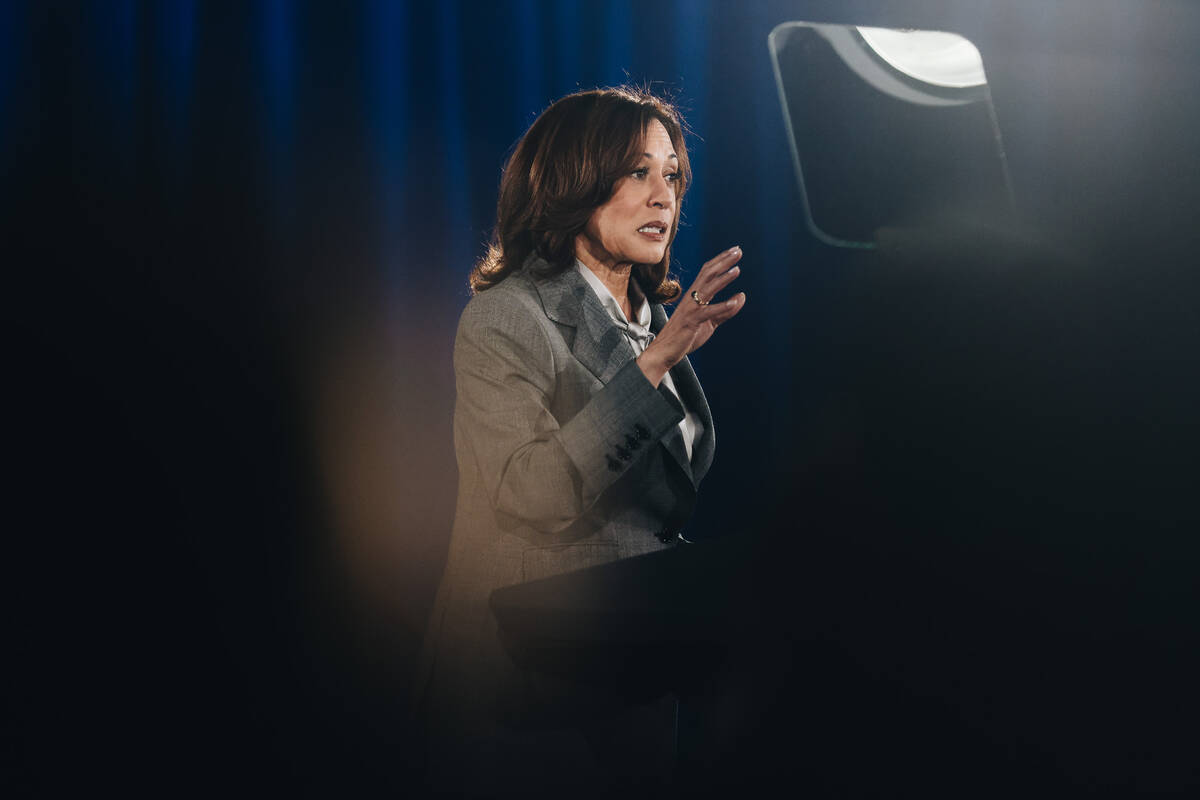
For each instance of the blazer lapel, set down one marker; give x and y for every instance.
(598, 344)
(688, 386)
(673, 441)
(602, 348)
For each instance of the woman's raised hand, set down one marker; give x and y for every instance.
(694, 320)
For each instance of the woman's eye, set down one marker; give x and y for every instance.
(672, 176)
(641, 172)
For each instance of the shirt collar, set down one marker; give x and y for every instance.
(640, 325)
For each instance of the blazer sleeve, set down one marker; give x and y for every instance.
(545, 471)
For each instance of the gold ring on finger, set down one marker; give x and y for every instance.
(696, 297)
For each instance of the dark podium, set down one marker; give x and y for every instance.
(646, 625)
(863, 658)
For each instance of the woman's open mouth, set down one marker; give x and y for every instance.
(654, 232)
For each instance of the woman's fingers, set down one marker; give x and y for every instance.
(716, 266)
(693, 322)
(715, 269)
(715, 275)
(723, 260)
(709, 285)
(720, 282)
(720, 312)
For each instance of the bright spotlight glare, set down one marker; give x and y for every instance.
(934, 57)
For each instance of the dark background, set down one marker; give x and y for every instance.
(238, 237)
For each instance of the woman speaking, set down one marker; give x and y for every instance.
(580, 429)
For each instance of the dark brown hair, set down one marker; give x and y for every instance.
(565, 167)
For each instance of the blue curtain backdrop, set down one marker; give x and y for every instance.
(276, 205)
(338, 165)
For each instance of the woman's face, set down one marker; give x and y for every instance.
(634, 226)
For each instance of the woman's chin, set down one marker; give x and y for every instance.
(649, 255)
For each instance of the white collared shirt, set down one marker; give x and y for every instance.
(638, 333)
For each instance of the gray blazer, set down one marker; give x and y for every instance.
(567, 458)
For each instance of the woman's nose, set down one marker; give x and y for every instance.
(661, 193)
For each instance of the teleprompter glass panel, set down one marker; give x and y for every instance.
(889, 129)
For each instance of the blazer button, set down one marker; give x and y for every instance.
(623, 454)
